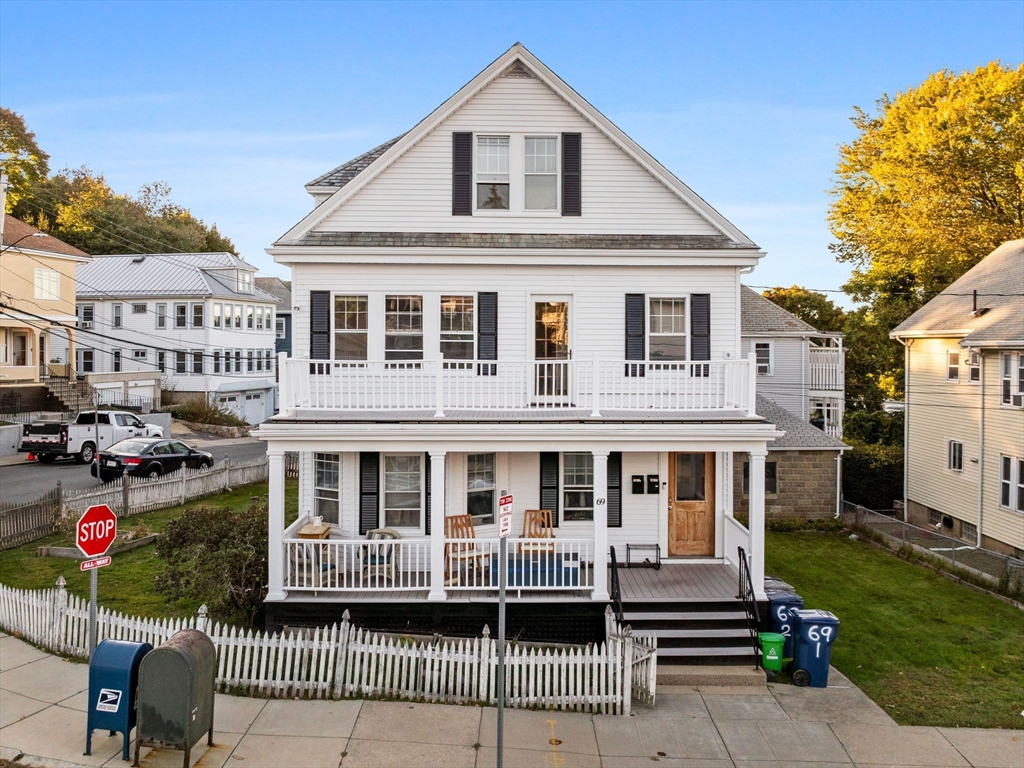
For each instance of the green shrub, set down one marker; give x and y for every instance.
(199, 410)
(872, 474)
(791, 524)
(218, 557)
(875, 427)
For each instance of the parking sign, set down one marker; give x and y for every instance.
(504, 516)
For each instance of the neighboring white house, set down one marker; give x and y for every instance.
(197, 318)
(964, 405)
(516, 297)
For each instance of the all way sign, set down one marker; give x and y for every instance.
(98, 562)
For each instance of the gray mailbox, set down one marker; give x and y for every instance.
(176, 687)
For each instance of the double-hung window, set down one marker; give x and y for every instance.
(952, 366)
(327, 473)
(218, 310)
(115, 356)
(116, 315)
(279, 328)
(667, 337)
(161, 316)
(480, 487)
(238, 315)
(249, 317)
(87, 314)
(492, 173)
(181, 315)
(540, 177)
(161, 361)
(763, 356)
(259, 318)
(180, 362)
(1012, 392)
(47, 284)
(197, 315)
(350, 320)
(403, 491)
(249, 365)
(269, 360)
(403, 328)
(216, 361)
(577, 486)
(197, 361)
(457, 327)
(238, 361)
(955, 456)
(1011, 483)
(244, 281)
(974, 367)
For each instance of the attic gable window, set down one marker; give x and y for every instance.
(492, 175)
(244, 281)
(541, 174)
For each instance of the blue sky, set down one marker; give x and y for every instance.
(237, 105)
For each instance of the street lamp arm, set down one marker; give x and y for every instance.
(26, 237)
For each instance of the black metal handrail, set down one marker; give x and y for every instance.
(746, 594)
(616, 590)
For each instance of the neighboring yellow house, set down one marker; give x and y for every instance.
(37, 290)
(965, 405)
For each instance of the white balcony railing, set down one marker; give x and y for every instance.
(533, 564)
(525, 385)
(827, 369)
(736, 535)
(384, 565)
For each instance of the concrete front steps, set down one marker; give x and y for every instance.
(696, 634)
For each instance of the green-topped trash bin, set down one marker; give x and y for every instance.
(771, 650)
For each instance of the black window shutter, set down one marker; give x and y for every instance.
(319, 325)
(615, 489)
(487, 332)
(572, 190)
(700, 326)
(549, 485)
(426, 491)
(369, 491)
(462, 174)
(635, 332)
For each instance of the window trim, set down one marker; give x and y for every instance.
(421, 333)
(365, 331)
(557, 210)
(197, 358)
(279, 329)
(182, 315)
(117, 315)
(481, 520)
(974, 362)
(648, 332)
(768, 492)
(161, 361)
(563, 488)
(250, 317)
(469, 336)
(952, 367)
(201, 306)
(476, 176)
(770, 344)
(955, 456)
(46, 284)
(140, 354)
(181, 362)
(336, 460)
(382, 512)
(218, 313)
(137, 304)
(161, 316)
(116, 361)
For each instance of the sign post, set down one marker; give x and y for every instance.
(504, 529)
(94, 533)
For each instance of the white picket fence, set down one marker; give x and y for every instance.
(343, 661)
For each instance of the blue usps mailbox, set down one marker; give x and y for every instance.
(814, 632)
(779, 606)
(113, 684)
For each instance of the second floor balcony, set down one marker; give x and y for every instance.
(595, 388)
(827, 369)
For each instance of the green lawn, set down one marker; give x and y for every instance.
(126, 585)
(926, 649)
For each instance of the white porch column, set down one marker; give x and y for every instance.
(600, 525)
(756, 521)
(275, 525)
(437, 514)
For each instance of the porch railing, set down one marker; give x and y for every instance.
(360, 565)
(746, 594)
(502, 385)
(736, 537)
(533, 564)
(826, 369)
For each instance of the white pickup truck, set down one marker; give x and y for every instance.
(50, 440)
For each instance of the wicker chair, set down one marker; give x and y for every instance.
(380, 559)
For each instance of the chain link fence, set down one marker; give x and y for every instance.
(998, 571)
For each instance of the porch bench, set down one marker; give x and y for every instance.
(538, 570)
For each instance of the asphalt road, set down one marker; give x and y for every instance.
(26, 481)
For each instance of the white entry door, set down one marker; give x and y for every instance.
(254, 408)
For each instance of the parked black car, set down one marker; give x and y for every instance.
(147, 457)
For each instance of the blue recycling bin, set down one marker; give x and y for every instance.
(814, 632)
(113, 686)
(779, 606)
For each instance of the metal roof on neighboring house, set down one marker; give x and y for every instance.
(164, 274)
(343, 174)
(281, 289)
(761, 315)
(19, 235)
(999, 281)
(799, 434)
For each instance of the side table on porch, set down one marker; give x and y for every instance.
(314, 531)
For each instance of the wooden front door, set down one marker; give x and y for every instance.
(691, 504)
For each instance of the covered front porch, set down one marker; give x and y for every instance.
(411, 517)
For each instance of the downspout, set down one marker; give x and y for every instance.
(981, 440)
(839, 484)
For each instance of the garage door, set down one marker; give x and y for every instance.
(140, 390)
(254, 408)
(230, 403)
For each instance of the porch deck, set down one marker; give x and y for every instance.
(679, 582)
(567, 414)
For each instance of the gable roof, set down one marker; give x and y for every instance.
(515, 59)
(16, 230)
(998, 279)
(281, 289)
(759, 315)
(799, 434)
(162, 274)
(344, 173)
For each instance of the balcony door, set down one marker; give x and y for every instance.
(552, 349)
(691, 504)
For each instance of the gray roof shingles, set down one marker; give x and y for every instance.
(799, 434)
(511, 240)
(999, 281)
(760, 315)
(282, 289)
(343, 174)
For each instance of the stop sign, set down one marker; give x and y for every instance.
(96, 530)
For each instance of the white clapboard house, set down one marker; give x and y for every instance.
(515, 297)
(196, 318)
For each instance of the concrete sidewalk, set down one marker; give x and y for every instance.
(43, 700)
